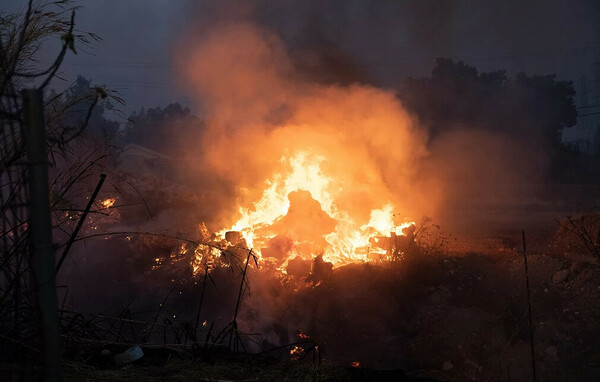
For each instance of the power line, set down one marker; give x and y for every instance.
(588, 114)
(544, 53)
(588, 107)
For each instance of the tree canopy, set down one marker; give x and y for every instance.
(457, 95)
(160, 128)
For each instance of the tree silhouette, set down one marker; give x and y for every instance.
(526, 108)
(161, 129)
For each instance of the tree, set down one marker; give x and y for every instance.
(72, 106)
(161, 129)
(457, 95)
(524, 108)
(454, 96)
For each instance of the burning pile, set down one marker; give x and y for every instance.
(297, 217)
(317, 169)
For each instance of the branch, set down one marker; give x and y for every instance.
(83, 126)
(54, 68)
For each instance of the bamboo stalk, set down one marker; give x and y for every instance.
(80, 222)
(200, 305)
(534, 376)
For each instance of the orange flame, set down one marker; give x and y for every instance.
(303, 191)
(108, 203)
(296, 353)
(319, 169)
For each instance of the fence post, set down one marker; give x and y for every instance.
(40, 233)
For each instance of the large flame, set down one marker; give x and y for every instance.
(297, 216)
(317, 169)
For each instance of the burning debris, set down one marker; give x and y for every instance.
(296, 353)
(108, 203)
(335, 174)
(298, 217)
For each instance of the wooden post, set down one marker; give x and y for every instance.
(40, 233)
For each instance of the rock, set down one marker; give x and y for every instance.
(560, 276)
(447, 366)
(105, 353)
(129, 355)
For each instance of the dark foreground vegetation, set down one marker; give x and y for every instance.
(457, 314)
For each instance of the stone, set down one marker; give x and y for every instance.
(447, 366)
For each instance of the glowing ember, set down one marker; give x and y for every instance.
(296, 353)
(108, 203)
(204, 259)
(355, 364)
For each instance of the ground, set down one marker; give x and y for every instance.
(459, 313)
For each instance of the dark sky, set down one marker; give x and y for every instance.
(389, 40)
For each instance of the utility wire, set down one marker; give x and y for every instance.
(401, 61)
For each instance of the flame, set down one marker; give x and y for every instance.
(296, 353)
(318, 169)
(108, 203)
(204, 259)
(298, 216)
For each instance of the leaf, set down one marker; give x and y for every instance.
(101, 91)
(95, 36)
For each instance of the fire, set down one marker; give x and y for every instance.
(298, 216)
(108, 203)
(204, 259)
(296, 353)
(319, 171)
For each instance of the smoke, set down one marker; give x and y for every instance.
(275, 78)
(260, 110)
(268, 100)
(483, 178)
(264, 113)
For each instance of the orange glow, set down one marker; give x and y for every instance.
(108, 203)
(204, 259)
(296, 353)
(316, 169)
(298, 216)
(355, 364)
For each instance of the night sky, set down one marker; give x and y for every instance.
(387, 40)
